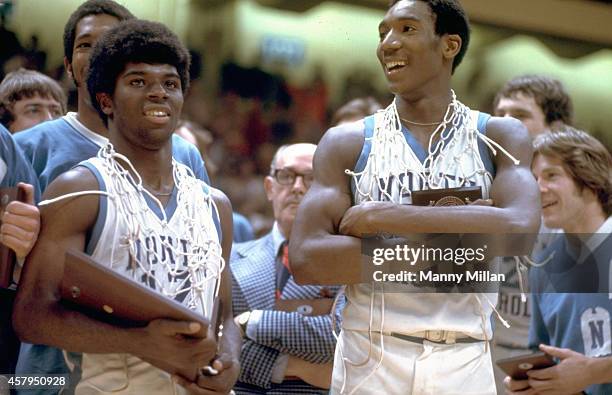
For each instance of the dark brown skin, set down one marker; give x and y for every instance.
(87, 32)
(326, 244)
(40, 318)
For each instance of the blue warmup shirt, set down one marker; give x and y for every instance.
(577, 321)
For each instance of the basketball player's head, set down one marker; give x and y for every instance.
(28, 98)
(82, 30)
(289, 180)
(539, 101)
(355, 110)
(421, 40)
(574, 171)
(139, 71)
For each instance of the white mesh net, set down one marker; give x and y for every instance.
(180, 257)
(393, 170)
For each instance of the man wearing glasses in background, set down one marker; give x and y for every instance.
(288, 343)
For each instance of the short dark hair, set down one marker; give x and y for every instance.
(549, 94)
(450, 18)
(133, 41)
(357, 108)
(91, 7)
(21, 84)
(585, 159)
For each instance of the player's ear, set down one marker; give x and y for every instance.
(451, 45)
(268, 183)
(68, 68)
(106, 103)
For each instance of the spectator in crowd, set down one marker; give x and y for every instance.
(540, 102)
(574, 173)
(27, 98)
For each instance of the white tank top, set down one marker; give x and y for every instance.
(391, 172)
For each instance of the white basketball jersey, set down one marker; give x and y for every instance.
(127, 374)
(391, 172)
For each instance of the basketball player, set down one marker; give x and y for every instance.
(413, 343)
(56, 146)
(153, 214)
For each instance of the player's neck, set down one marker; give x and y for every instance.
(152, 162)
(89, 117)
(423, 108)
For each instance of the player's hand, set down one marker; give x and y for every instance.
(21, 223)
(176, 347)
(222, 383)
(518, 387)
(569, 376)
(358, 221)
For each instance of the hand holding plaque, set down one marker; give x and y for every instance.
(447, 196)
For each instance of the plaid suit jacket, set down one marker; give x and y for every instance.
(253, 288)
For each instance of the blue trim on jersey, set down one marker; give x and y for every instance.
(169, 208)
(416, 147)
(481, 125)
(368, 131)
(216, 216)
(96, 232)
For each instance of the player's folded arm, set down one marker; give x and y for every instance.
(317, 253)
(514, 210)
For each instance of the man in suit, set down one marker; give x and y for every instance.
(288, 341)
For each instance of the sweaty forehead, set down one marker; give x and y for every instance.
(409, 9)
(92, 23)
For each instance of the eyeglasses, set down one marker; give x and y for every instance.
(287, 177)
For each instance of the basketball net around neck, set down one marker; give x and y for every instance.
(188, 262)
(446, 161)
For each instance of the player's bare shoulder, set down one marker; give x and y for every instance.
(512, 135)
(340, 146)
(66, 191)
(221, 201)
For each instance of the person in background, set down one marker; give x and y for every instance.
(28, 98)
(574, 174)
(540, 102)
(285, 350)
(19, 231)
(355, 110)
